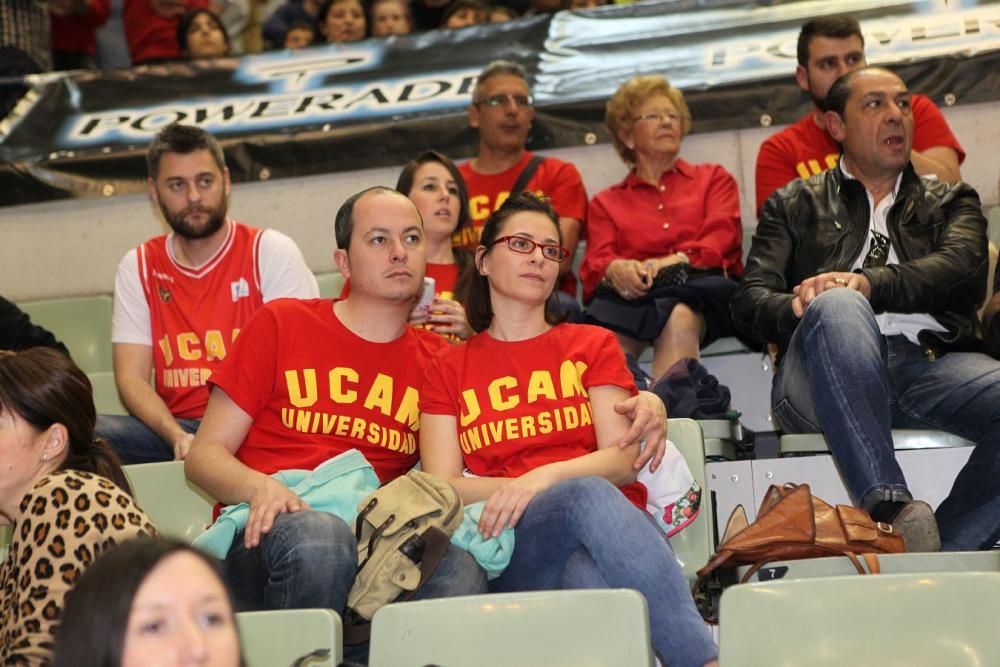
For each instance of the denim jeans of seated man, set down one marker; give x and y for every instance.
(841, 376)
(134, 441)
(309, 559)
(583, 533)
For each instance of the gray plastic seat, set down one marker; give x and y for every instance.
(176, 507)
(330, 284)
(106, 398)
(907, 563)
(581, 628)
(83, 324)
(815, 443)
(889, 620)
(695, 543)
(4, 542)
(283, 637)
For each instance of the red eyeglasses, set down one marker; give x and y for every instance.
(526, 246)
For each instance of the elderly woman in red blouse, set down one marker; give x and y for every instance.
(664, 244)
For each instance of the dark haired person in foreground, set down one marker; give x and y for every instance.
(868, 278)
(147, 603)
(62, 490)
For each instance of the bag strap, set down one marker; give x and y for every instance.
(436, 543)
(526, 174)
(871, 560)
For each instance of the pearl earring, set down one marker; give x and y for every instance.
(45, 456)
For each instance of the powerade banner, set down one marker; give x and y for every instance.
(380, 102)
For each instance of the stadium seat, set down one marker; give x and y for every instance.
(330, 284)
(177, 507)
(814, 443)
(83, 324)
(581, 628)
(288, 636)
(891, 619)
(912, 563)
(721, 438)
(4, 542)
(694, 544)
(106, 394)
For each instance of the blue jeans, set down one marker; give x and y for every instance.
(309, 559)
(841, 376)
(583, 533)
(134, 441)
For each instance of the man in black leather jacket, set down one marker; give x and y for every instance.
(868, 277)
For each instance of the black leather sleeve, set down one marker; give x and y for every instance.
(761, 307)
(18, 333)
(946, 237)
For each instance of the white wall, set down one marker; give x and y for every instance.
(73, 247)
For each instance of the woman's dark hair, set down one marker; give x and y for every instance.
(405, 182)
(476, 296)
(95, 617)
(184, 26)
(44, 387)
(324, 9)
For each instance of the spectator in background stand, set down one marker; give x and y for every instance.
(299, 36)
(342, 21)
(74, 28)
(391, 17)
(544, 7)
(151, 28)
(112, 47)
(828, 48)
(181, 299)
(287, 17)
(666, 212)
(433, 183)
(427, 14)
(463, 13)
(25, 46)
(200, 34)
(501, 14)
(502, 110)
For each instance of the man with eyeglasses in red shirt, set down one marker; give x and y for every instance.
(502, 110)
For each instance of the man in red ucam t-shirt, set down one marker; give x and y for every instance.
(311, 379)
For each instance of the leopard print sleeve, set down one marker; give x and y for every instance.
(65, 522)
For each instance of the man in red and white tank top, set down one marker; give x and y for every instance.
(181, 299)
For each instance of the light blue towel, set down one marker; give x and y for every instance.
(336, 486)
(493, 554)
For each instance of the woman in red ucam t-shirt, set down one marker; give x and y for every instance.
(526, 407)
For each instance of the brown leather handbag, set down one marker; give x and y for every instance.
(792, 523)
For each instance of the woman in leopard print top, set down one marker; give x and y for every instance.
(64, 492)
